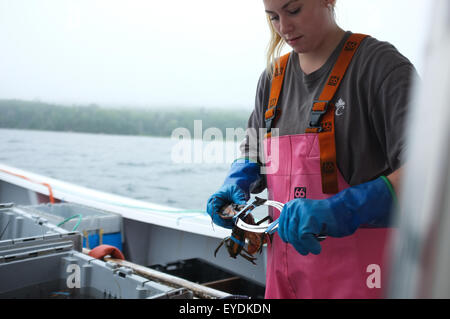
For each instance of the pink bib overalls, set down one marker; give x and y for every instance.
(349, 267)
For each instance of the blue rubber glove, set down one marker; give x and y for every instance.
(235, 189)
(367, 204)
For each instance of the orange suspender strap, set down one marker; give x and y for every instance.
(322, 116)
(50, 191)
(277, 84)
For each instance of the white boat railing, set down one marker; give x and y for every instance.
(194, 221)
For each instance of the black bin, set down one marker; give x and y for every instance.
(207, 274)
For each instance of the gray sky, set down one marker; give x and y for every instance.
(148, 53)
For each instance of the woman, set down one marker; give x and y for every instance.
(338, 104)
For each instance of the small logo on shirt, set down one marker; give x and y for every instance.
(340, 107)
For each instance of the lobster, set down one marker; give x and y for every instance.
(242, 242)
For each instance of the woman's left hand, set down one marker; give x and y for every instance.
(301, 220)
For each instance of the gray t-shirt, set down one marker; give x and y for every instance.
(371, 108)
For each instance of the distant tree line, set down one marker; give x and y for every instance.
(36, 115)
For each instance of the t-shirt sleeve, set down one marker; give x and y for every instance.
(389, 117)
(250, 148)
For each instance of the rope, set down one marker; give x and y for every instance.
(70, 218)
(50, 191)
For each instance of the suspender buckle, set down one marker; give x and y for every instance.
(316, 116)
(269, 118)
(269, 125)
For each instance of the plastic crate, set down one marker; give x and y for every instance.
(40, 260)
(97, 226)
(67, 274)
(23, 229)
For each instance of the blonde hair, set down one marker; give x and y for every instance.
(277, 43)
(274, 48)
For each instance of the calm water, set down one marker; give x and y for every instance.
(132, 166)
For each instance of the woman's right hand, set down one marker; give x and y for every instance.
(227, 194)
